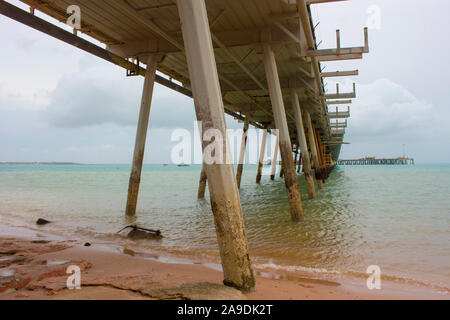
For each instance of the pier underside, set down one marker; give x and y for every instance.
(134, 29)
(255, 60)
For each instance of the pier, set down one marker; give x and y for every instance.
(370, 161)
(257, 61)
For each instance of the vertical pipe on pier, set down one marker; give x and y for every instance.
(304, 154)
(240, 166)
(141, 135)
(224, 194)
(262, 151)
(279, 113)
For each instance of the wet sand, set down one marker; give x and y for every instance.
(33, 268)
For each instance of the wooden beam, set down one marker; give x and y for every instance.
(322, 1)
(224, 194)
(230, 39)
(340, 73)
(285, 146)
(301, 139)
(298, 82)
(238, 62)
(338, 115)
(138, 156)
(313, 147)
(150, 25)
(339, 102)
(338, 57)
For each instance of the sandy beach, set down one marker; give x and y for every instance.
(33, 268)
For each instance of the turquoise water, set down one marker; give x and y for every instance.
(396, 217)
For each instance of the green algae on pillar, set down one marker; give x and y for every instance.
(209, 108)
(202, 183)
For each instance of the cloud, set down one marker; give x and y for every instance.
(384, 108)
(385, 116)
(101, 94)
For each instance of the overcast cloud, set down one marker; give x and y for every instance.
(60, 104)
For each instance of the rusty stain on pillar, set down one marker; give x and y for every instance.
(138, 156)
(276, 98)
(202, 183)
(320, 148)
(209, 108)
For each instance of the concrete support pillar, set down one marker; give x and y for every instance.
(301, 138)
(312, 145)
(141, 134)
(279, 113)
(225, 202)
(202, 183)
(262, 151)
(320, 150)
(275, 160)
(240, 166)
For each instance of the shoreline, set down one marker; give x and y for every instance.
(36, 267)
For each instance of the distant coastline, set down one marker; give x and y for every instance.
(38, 163)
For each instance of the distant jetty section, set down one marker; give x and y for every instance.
(375, 161)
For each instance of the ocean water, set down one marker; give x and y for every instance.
(396, 217)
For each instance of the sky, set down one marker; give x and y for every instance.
(58, 103)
